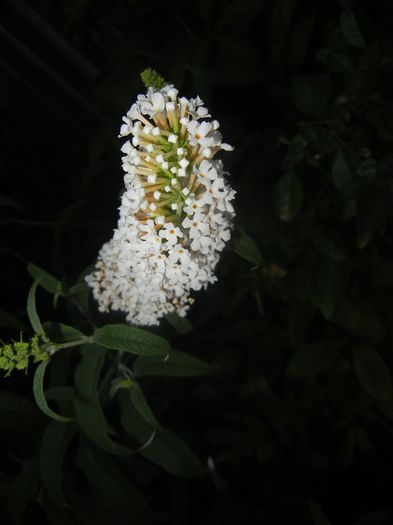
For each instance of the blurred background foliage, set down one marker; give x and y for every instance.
(295, 425)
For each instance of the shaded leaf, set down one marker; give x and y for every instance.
(62, 333)
(351, 30)
(359, 318)
(140, 403)
(372, 372)
(23, 490)
(374, 209)
(88, 410)
(31, 310)
(311, 94)
(54, 445)
(181, 324)
(131, 339)
(246, 248)
(38, 391)
(341, 172)
(47, 281)
(288, 196)
(317, 515)
(313, 359)
(166, 449)
(177, 364)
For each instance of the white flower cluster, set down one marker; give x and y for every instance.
(175, 213)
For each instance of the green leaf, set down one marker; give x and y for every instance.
(288, 197)
(108, 479)
(7, 202)
(330, 243)
(311, 94)
(181, 324)
(62, 333)
(131, 339)
(31, 310)
(351, 30)
(177, 364)
(317, 515)
(11, 321)
(374, 209)
(140, 403)
(359, 318)
(47, 281)
(23, 490)
(372, 372)
(54, 445)
(326, 284)
(246, 248)
(88, 410)
(341, 173)
(166, 449)
(119, 383)
(38, 391)
(313, 359)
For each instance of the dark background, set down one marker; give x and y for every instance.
(299, 420)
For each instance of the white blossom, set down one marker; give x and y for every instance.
(175, 213)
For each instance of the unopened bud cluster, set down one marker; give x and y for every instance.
(17, 354)
(175, 213)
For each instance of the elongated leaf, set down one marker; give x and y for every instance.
(374, 210)
(11, 321)
(38, 390)
(142, 406)
(166, 449)
(47, 281)
(312, 359)
(351, 30)
(288, 197)
(88, 410)
(7, 202)
(31, 310)
(131, 339)
(62, 333)
(341, 173)
(23, 490)
(181, 324)
(54, 445)
(372, 372)
(177, 364)
(119, 383)
(246, 248)
(103, 473)
(317, 515)
(326, 284)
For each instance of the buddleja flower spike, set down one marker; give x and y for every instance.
(175, 213)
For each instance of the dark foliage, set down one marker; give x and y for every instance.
(276, 405)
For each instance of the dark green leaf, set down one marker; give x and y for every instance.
(177, 364)
(131, 339)
(7, 202)
(140, 403)
(246, 248)
(181, 324)
(118, 383)
(374, 209)
(330, 243)
(382, 517)
(88, 410)
(23, 490)
(54, 445)
(311, 94)
(317, 515)
(288, 197)
(166, 449)
(11, 321)
(326, 284)
(313, 359)
(38, 390)
(103, 473)
(61, 333)
(31, 310)
(372, 372)
(359, 318)
(341, 173)
(47, 281)
(351, 30)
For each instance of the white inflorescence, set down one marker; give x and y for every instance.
(175, 213)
